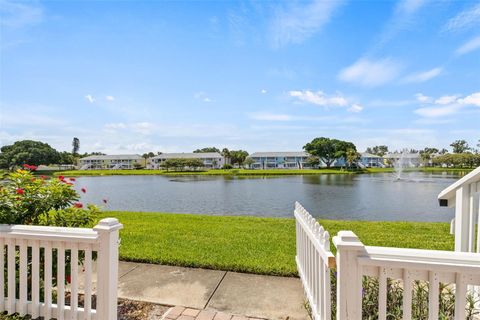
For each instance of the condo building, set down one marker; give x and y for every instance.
(211, 160)
(112, 162)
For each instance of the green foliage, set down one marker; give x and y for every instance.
(181, 164)
(352, 157)
(227, 166)
(248, 162)
(458, 160)
(378, 150)
(238, 157)
(208, 149)
(419, 300)
(313, 161)
(27, 199)
(328, 150)
(28, 151)
(459, 146)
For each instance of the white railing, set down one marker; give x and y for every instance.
(36, 256)
(354, 260)
(314, 261)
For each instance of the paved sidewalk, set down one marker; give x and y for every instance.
(221, 293)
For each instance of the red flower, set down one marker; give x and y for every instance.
(84, 190)
(78, 205)
(69, 184)
(43, 177)
(71, 179)
(104, 200)
(68, 278)
(20, 191)
(61, 178)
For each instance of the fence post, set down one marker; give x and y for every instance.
(108, 230)
(349, 276)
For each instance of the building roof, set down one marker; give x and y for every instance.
(279, 154)
(369, 155)
(188, 155)
(113, 157)
(450, 192)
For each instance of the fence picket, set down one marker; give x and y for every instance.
(61, 281)
(407, 295)
(382, 294)
(433, 295)
(35, 279)
(11, 275)
(22, 310)
(74, 282)
(47, 304)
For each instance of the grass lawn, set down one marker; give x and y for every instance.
(250, 244)
(216, 172)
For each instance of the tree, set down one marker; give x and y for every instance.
(248, 162)
(75, 146)
(352, 157)
(238, 157)
(313, 161)
(328, 150)
(459, 146)
(28, 151)
(378, 150)
(427, 154)
(208, 149)
(226, 154)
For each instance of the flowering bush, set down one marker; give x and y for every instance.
(27, 199)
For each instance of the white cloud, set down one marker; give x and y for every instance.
(110, 98)
(90, 98)
(319, 98)
(469, 46)
(119, 125)
(263, 91)
(448, 105)
(473, 99)
(409, 6)
(18, 14)
(423, 76)
(438, 111)
(464, 20)
(370, 73)
(446, 100)
(300, 21)
(355, 108)
(423, 98)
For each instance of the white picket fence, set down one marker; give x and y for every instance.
(354, 260)
(314, 261)
(26, 249)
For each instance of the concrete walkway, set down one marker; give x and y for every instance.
(218, 292)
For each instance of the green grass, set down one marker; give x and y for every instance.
(233, 172)
(251, 244)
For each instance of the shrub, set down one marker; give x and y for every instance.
(227, 166)
(26, 199)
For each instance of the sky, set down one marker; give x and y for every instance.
(174, 76)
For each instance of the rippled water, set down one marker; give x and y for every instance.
(359, 197)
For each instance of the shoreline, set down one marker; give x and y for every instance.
(250, 172)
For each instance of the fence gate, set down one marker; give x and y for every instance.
(314, 261)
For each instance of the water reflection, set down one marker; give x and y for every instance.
(332, 196)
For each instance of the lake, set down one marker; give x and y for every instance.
(330, 196)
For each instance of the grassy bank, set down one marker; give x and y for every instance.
(219, 172)
(250, 244)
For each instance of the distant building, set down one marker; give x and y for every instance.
(111, 162)
(368, 160)
(211, 160)
(279, 160)
(405, 159)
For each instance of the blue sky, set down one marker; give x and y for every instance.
(131, 77)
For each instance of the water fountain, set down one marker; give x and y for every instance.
(401, 163)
